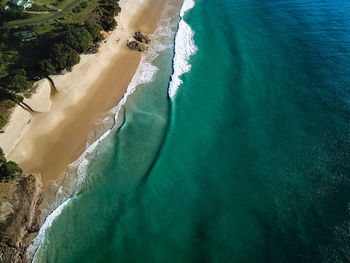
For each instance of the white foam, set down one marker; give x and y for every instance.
(48, 222)
(161, 40)
(187, 5)
(184, 49)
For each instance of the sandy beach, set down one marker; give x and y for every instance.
(58, 137)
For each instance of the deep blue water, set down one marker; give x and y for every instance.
(249, 162)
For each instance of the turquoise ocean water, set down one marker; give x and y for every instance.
(248, 160)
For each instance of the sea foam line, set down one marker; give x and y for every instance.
(184, 49)
(47, 224)
(161, 40)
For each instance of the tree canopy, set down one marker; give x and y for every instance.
(8, 169)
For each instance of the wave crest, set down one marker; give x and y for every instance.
(185, 47)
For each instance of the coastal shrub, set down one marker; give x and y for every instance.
(2, 122)
(107, 11)
(17, 81)
(77, 9)
(108, 23)
(8, 169)
(94, 48)
(78, 39)
(2, 157)
(46, 67)
(17, 98)
(64, 57)
(95, 31)
(3, 70)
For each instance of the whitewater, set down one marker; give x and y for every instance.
(184, 49)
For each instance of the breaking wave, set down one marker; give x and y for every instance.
(184, 49)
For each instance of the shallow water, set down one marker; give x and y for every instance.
(249, 160)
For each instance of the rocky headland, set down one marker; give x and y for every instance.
(19, 216)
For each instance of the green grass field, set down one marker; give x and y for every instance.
(53, 3)
(65, 18)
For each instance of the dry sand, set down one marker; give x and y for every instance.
(58, 137)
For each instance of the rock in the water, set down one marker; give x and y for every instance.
(142, 38)
(135, 45)
(139, 42)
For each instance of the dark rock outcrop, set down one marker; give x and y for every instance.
(137, 46)
(138, 42)
(20, 220)
(142, 38)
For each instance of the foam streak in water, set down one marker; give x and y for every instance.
(184, 49)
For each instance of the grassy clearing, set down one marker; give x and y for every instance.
(69, 17)
(79, 17)
(32, 18)
(86, 8)
(53, 3)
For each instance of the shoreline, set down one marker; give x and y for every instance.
(58, 193)
(58, 137)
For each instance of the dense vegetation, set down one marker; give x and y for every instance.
(8, 169)
(11, 14)
(21, 63)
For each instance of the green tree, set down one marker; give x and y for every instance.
(46, 67)
(9, 170)
(2, 121)
(2, 157)
(94, 30)
(78, 39)
(77, 9)
(3, 70)
(17, 98)
(108, 22)
(64, 57)
(17, 81)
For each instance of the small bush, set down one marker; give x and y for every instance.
(2, 121)
(8, 169)
(77, 9)
(17, 82)
(94, 49)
